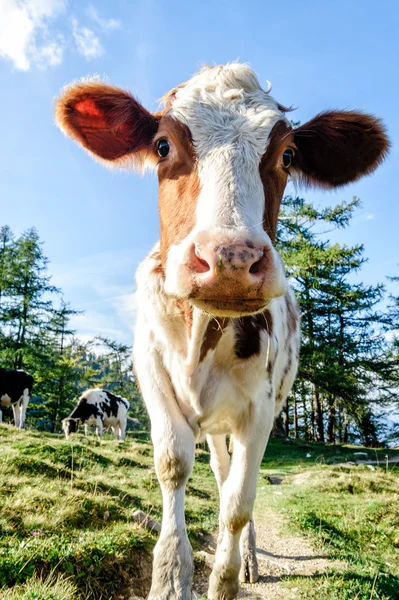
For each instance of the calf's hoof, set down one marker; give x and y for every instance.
(249, 572)
(172, 572)
(223, 586)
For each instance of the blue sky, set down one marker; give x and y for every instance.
(96, 224)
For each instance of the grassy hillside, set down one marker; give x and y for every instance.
(66, 527)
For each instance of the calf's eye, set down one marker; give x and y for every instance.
(163, 148)
(288, 157)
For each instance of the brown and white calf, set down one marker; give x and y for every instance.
(217, 336)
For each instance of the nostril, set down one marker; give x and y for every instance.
(260, 265)
(198, 264)
(255, 268)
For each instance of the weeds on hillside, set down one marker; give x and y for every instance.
(353, 513)
(66, 507)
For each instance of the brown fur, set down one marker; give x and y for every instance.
(178, 185)
(293, 315)
(273, 175)
(237, 522)
(105, 120)
(247, 333)
(212, 335)
(172, 470)
(337, 147)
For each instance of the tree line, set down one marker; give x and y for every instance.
(348, 375)
(35, 335)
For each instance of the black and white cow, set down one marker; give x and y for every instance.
(100, 408)
(15, 391)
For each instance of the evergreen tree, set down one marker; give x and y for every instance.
(27, 304)
(343, 351)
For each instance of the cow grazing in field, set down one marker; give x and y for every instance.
(100, 408)
(217, 336)
(15, 391)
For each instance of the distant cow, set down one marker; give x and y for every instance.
(100, 408)
(15, 391)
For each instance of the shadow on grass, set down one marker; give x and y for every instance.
(345, 586)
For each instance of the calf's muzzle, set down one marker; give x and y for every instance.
(232, 279)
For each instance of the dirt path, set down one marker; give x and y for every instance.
(279, 554)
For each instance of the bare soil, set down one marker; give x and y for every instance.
(280, 555)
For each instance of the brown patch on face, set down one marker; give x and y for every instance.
(273, 175)
(212, 335)
(178, 184)
(247, 333)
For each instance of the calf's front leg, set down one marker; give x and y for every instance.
(174, 447)
(237, 500)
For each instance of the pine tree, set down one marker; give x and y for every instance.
(27, 305)
(343, 352)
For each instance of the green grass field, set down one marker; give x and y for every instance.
(67, 532)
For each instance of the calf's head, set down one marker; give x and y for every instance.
(223, 149)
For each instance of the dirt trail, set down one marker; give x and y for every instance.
(279, 554)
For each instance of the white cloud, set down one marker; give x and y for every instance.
(87, 42)
(24, 34)
(103, 23)
(369, 217)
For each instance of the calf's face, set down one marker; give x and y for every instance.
(223, 149)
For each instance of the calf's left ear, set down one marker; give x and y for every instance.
(337, 147)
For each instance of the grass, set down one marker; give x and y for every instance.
(66, 508)
(52, 588)
(67, 532)
(351, 512)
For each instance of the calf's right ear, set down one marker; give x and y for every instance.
(106, 121)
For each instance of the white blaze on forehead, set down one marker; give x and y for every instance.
(230, 118)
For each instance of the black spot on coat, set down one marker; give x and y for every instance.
(13, 384)
(247, 333)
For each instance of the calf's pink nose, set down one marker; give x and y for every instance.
(213, 259)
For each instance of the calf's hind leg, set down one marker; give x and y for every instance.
(237, 500)
(249, 572)
(220, 465)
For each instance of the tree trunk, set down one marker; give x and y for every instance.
(278, 430)
(295, 416)
(345, 428)
(331, 420)
(286, 419)
(318, 415)
(305, 412)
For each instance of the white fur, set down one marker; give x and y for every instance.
(187, 401)
(230, 118)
